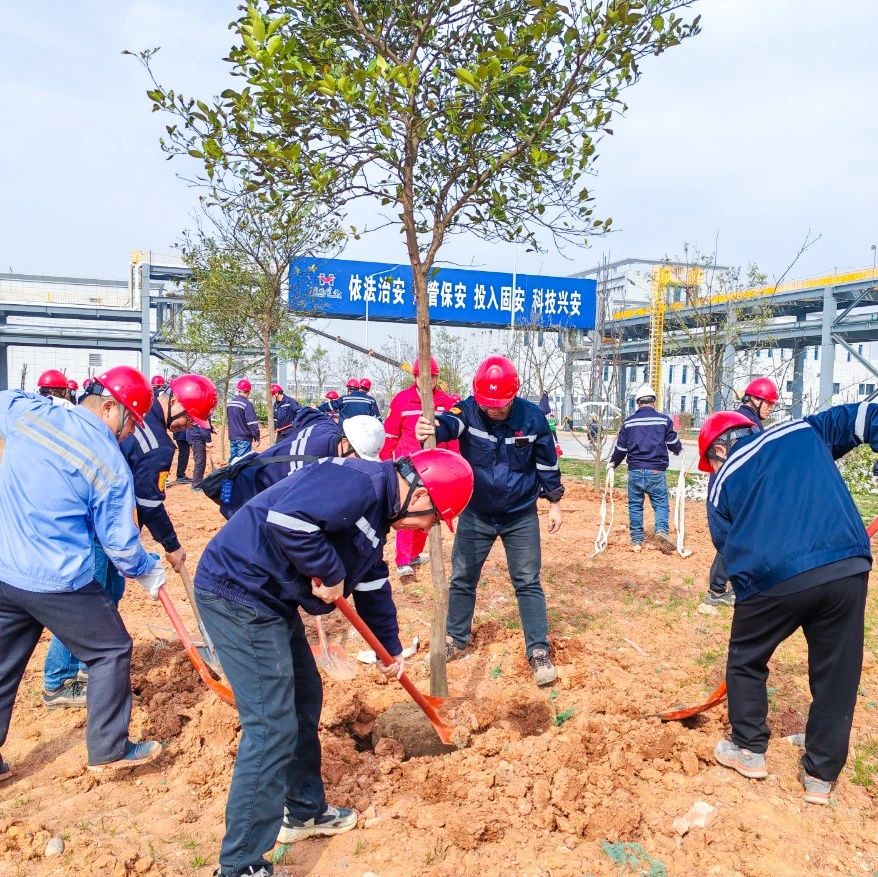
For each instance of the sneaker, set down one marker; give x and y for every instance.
(136, 754)
(664, 543)
(544, 670)
(333, 820)
(197, 489)
(5, 770)
(421, 560)
(452, 650)
(71, 695)
(817, 791)
(264, 871)
(726, 598)
(637, 547)
(404, 571)
(748, 764)
(82, 676)
(182, 480)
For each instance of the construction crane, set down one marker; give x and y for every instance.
(366, 351)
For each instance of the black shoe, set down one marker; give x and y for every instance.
(71, 695)
(264, 871)
(181, 480)
(714, 598)
(5, 770)
(333, 820)
(197, 489)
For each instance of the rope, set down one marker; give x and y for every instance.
(680, 511)
(604, 527)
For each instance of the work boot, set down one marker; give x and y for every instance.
(135, 755)
(452, 650)
(636, 547)
(405, 571)
(817, 791)
(71, 695)
(544, 670)
(726, 598)
(748, 764)
(5, 770)
(333, 820)
(421, 560)
(664, 543)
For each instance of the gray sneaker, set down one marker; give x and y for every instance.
(421, 560)
(664, 543)
(71, 695)
(404, 572)
(333, 820)
(726, 598)
(748, 764)
(452, 650)
(817, 791)
(544, 670)
(135, 755)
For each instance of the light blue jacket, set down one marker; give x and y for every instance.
(63, 482)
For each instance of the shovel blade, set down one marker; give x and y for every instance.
(677, 715)
(335, 663)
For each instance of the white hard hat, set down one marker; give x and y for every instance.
(644, 391)
(366, 435)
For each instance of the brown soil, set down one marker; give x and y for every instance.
(546, 777)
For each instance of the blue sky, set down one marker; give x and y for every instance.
(761, 128)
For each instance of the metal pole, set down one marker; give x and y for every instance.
(827, 348)
(144, 318)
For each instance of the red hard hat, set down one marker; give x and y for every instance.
(365, 384)
(712, 428)
(128, 387)
(87, 383)
(448, 479)
(496, 382)
(276, 388)
(762, 388)
(72, 385)
(332, 395)
(197, 394)
(434, 367)
(353, 384)
(244, 385)
(158, 381)
(52, 380)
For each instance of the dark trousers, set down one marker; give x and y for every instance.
(199, 455)
(718, 578)
(87, 622)
(473, 539)
(182, 457)
(831, 617)
(279, 696)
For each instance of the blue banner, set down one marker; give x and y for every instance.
(346, 289)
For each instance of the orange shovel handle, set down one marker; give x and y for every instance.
(221, 691)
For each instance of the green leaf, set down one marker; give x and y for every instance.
(658, 23)
(274, 44)
(155, 95)
(465, 77)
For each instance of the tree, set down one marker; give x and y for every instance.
(390, 379)
(482, 117)
(292, 347)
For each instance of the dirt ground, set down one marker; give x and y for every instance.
(574, 781)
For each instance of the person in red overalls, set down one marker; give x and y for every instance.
(399, 427)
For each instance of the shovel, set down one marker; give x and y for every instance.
(429, 705)
(333, 660)
(207, 651)
(218, 688)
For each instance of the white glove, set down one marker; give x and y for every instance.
(153, 580)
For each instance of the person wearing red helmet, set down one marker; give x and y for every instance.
(158, 384)
(242, 421)
(285, 408)
(52, 384)
(356, 401)
(332, 405)
(507, 441)
(322, 532)
(63, 486)
(757, 404)
(798, 556)
(405, 409)
(72, 388)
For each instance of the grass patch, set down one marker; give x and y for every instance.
(563, 716)
(707, 658)
(865, 766)
(495, 672)
(867, 504)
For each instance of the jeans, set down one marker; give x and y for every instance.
(279, 696)
(655, 486)
(87, 621)
(520, 536)
(832, 618)
(718, 578)
(61, 665)
(182, 457)
(199, 455)
(239, 447)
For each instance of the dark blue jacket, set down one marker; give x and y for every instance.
(750, 414)
(645, 438)
(328, 520)
(779, 507)
(149, 451)
(514, 460)
(284, 412)
(330, 406)
(312, 434)
(198, 434)
(243, 424)
(356, 402)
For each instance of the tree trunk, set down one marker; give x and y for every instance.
(296, 379)
(227, 380)
(266, 368)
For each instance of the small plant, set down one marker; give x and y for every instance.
(199, 861)
(865, 766)
(360, 847)
(707, 658)
(512, 623)
(495, 672)
(563, 716)
(553, 694)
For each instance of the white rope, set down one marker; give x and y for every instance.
(680, 511)
(604, 527)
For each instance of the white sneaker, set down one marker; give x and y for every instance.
(404, 571)
(333, 820)
(422, 559)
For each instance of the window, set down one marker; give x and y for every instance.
(849, 356)
(870, 388)
(789, 386)
(816, 352)
(670, 374)
(860, 349)
(697, 375)
(95, 360)
(683, 401)
(632, 372)
(685, 374)
(862, 389)
(606, 373)
(835, 389)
